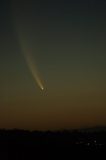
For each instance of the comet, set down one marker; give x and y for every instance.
(23, 41)
(30, 61)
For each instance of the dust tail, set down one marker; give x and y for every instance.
(33, 70)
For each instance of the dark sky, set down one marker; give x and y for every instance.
(60, 45)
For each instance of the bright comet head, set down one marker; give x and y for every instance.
(42, 88)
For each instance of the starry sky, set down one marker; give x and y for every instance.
(66, 42)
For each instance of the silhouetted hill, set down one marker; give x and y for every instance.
(94, 129)
(23, 144)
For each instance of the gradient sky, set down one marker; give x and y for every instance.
(67, 42)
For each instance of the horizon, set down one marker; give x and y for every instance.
(94, 128)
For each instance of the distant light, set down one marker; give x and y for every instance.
(88, 144)
(95, 141)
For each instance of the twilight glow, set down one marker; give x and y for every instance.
(58, 46)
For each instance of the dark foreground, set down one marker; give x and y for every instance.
(19, 144)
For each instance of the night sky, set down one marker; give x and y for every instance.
(64, 44)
